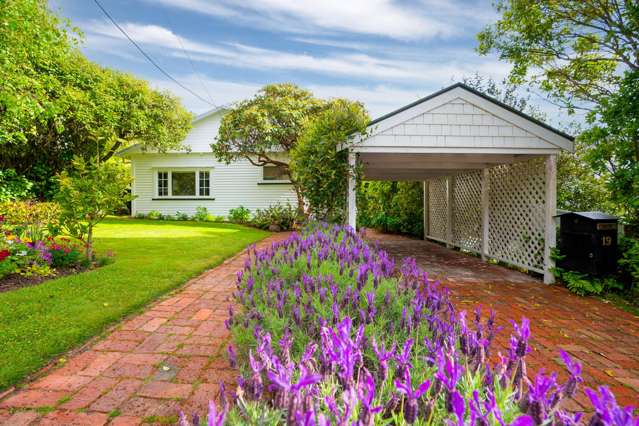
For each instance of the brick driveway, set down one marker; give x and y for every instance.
(171, 356)
(603, 337)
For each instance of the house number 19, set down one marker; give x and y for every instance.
(606, 241)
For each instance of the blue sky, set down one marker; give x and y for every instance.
(384, 53)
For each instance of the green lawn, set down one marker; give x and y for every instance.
(151, 257)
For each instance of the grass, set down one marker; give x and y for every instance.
(151, 258)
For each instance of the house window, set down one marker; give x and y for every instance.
(204, 184)
(163, 184)
(275, 173)
(183, 183)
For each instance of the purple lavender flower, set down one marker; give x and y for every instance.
(411, 395)
(607, 411)
(232, 356)
(366, 394)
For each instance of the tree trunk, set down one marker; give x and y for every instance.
(300, 202)
(89, 248)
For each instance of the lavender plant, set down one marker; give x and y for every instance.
(329, 331)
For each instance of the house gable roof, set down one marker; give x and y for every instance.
(477, 93)
(461, 119)
(138, 148)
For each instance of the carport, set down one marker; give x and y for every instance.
(489, 173)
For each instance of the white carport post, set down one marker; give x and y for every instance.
(352, 190)
(485, 213)
(550, 233)
(426, 209)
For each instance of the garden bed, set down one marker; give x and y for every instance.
(15, 281)
(331, 331)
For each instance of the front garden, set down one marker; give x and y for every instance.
(148, 258)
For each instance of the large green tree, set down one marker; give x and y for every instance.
(613, 145)
(573, 50)
(318, 164)
(266, 127)
(55, 104)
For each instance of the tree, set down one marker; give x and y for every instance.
(267, 126)
(56, 104)
(505, 92)
(612, 144)
(573, 50)
(88, 194)
(318, 166)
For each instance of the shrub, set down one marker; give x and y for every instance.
(32, 219)
(319, 164)
(88, 195)
(140, 215)
(392, 207)
(201, 214)
(64, 254)
(629, 261)
(7, 267)
(282, 216)
(14, 186)
(331, 332)
(181, 216)
(239, 215)
(154, 214)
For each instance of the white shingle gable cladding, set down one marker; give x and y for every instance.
(461, 124)
(457, 118)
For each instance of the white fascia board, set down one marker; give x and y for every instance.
(452, 150)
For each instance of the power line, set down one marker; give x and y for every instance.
(186, 53)
(149, 58)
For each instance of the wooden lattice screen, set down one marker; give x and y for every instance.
(516, 206)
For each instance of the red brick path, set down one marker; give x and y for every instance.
(170, 357)
(603, 337)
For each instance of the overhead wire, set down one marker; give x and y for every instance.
(148, 57)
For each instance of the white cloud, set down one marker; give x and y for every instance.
(354, 65)
(379, 99)
(387, 18)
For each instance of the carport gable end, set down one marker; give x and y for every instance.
(459, 132)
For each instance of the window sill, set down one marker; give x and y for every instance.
(183, 199)
(275, 182)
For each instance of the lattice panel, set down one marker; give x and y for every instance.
(516, 213)
(467, 211)
(437, 208)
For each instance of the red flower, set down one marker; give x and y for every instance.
(4, 254)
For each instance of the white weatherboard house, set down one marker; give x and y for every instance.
(182, 181)
(489, 173)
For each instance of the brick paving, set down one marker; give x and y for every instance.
(603, 337)
(170, 357)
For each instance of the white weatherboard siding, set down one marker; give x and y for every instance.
(232, 185)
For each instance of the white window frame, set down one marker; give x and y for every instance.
(195, 170)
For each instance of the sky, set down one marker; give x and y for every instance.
(384, 53)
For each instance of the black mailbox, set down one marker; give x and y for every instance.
(588, 240)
